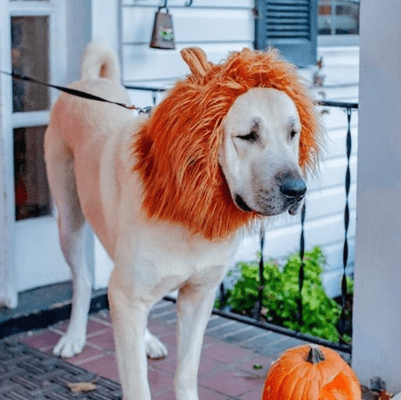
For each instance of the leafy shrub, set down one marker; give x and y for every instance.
(281, 293)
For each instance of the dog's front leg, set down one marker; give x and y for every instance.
(194, 306)
(129, 316)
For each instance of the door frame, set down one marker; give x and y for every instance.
(8, 276)
(95, 20)
(56, 10)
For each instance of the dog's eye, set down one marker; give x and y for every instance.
(250, 137)
(293, 133)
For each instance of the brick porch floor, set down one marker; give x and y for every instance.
(230, 352)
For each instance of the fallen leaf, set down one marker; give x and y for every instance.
(81, 387)
(384, 395)
(246, 376)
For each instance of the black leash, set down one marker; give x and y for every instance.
(77, 93)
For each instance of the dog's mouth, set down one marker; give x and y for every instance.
(240, 203)
(292, 208)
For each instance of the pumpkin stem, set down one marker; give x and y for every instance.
(315, 355)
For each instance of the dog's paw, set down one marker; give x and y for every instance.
(69, 345)
(155, 349)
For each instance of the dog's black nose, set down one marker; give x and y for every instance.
(292, 187)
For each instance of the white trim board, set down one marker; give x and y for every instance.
(8, 277)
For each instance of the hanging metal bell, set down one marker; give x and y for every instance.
(163, 33)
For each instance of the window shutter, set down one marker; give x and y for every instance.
(289, 25)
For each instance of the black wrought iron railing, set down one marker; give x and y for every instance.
(255, 319)
(348, 107)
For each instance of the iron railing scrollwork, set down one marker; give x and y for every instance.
(257, 311)
(342, 324)
(342, 321)
(301, 275)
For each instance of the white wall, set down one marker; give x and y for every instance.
(218, 26)
(106, 22)
(377, 301)
(221, 26)
(79, 33)
(87, 20)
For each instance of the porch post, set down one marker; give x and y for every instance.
(377, 301)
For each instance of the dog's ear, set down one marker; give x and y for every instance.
(197, 61)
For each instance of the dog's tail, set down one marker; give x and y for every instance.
(99, 60)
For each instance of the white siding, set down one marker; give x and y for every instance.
(216, 26)
(219, 27)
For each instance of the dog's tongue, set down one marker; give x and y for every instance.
(293, 210)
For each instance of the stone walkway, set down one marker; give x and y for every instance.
(235, 357)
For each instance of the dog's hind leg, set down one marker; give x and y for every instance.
(154, 347)
(71, 223)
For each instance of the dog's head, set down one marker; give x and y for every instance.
(260, 153)
(230, 143)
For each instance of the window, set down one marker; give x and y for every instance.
(338, 21)
(29, 56)
(32, 193)
(289, 25)
(31, 28)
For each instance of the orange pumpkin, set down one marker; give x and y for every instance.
(311, 372)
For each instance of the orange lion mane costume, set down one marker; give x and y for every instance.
(177, 148)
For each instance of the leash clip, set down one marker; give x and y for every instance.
(146, 110)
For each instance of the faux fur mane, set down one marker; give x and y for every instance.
(176, 150)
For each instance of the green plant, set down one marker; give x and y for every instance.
(350, 286)
(320, 313)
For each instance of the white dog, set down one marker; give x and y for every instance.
(169, 194)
